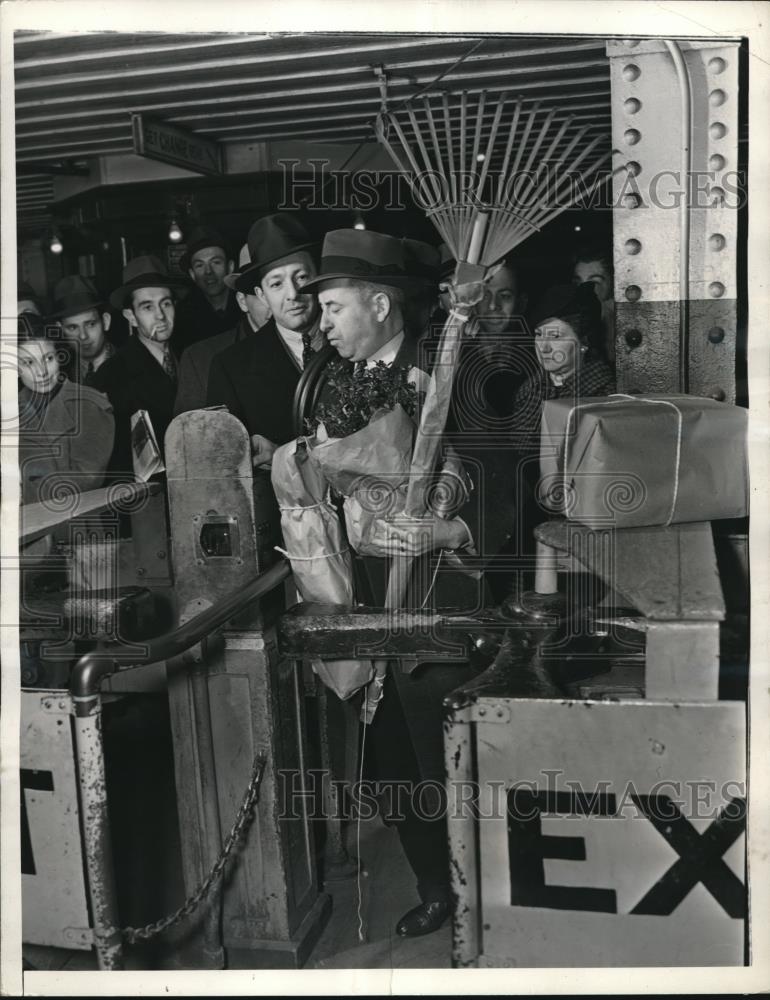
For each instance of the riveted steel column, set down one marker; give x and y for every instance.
(651, 103)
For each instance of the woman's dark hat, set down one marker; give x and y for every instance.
(74, 294)
(361, 254)
(567, 300)
(146, 272)
(201, 238)
(271, 240)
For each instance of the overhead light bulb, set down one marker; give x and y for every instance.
(481, 157)
(578, 228)
(359, 221)
(174, 232)
(56, 245)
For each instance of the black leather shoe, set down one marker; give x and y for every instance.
(423, 919)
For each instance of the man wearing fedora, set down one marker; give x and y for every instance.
(142, 374)
(257, 377)
(210, 308)
(81, 313)
(361, 284)
(196, 361)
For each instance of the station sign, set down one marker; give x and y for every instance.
(157, 140)
(54, 907)
(612, 834)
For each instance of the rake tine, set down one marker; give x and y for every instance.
(508, 149)
(538, 142)
(426, 157)
(490, 143)
(586, 173)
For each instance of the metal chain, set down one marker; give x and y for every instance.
(242, 820)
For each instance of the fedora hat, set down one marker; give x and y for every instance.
(200, 238)
(272, 239)
(362, 254)
(146, 271)
(244, 259)
(423, 261)
(74, 294)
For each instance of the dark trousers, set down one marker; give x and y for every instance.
(391, 758)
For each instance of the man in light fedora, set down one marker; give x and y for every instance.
(84, 319)
(257, 377)
(210, 308)
(196, 361)
(362, 283)
(142, 374)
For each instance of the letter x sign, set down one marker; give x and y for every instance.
(700, 854)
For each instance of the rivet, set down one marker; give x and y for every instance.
(141, 571)
(161, 555)
(500, 713)
(632, 105)
(717, 162)
(716, 289)
(633, 168)
(717, 130)
(482, 711)
(717, 64)
(632, 136)
(716, 334)
(632, 247)
(717, 98)
(717, 195)
(633, 293)
(630, 43)
(631, 201)
(717, 393)
(633, 338)
(631, 72)
(717, 241)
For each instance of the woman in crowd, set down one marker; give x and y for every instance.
(568, 342)
(568, 347)
(65, 430)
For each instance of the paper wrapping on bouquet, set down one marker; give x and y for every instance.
(375, 458)
(634, 461)
(319, 555)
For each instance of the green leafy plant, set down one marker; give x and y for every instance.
(351, 398)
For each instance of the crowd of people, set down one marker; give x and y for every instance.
(215, 335)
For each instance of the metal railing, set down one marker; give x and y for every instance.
(87, 676)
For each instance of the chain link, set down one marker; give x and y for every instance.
(243, 818)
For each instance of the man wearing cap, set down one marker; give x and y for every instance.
(80, 311)
(142, 374)
(257, 377)
(361, 285)
(196, 361)
(210, 308)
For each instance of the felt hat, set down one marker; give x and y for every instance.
(244, 259)
(146, 271)
(271, 240)
(567, 300)
(362, 254)
(200, 238)
(74, 294)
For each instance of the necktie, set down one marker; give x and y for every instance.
(169, 365)
(307, 349)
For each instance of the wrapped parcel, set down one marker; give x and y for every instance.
(633, 461)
